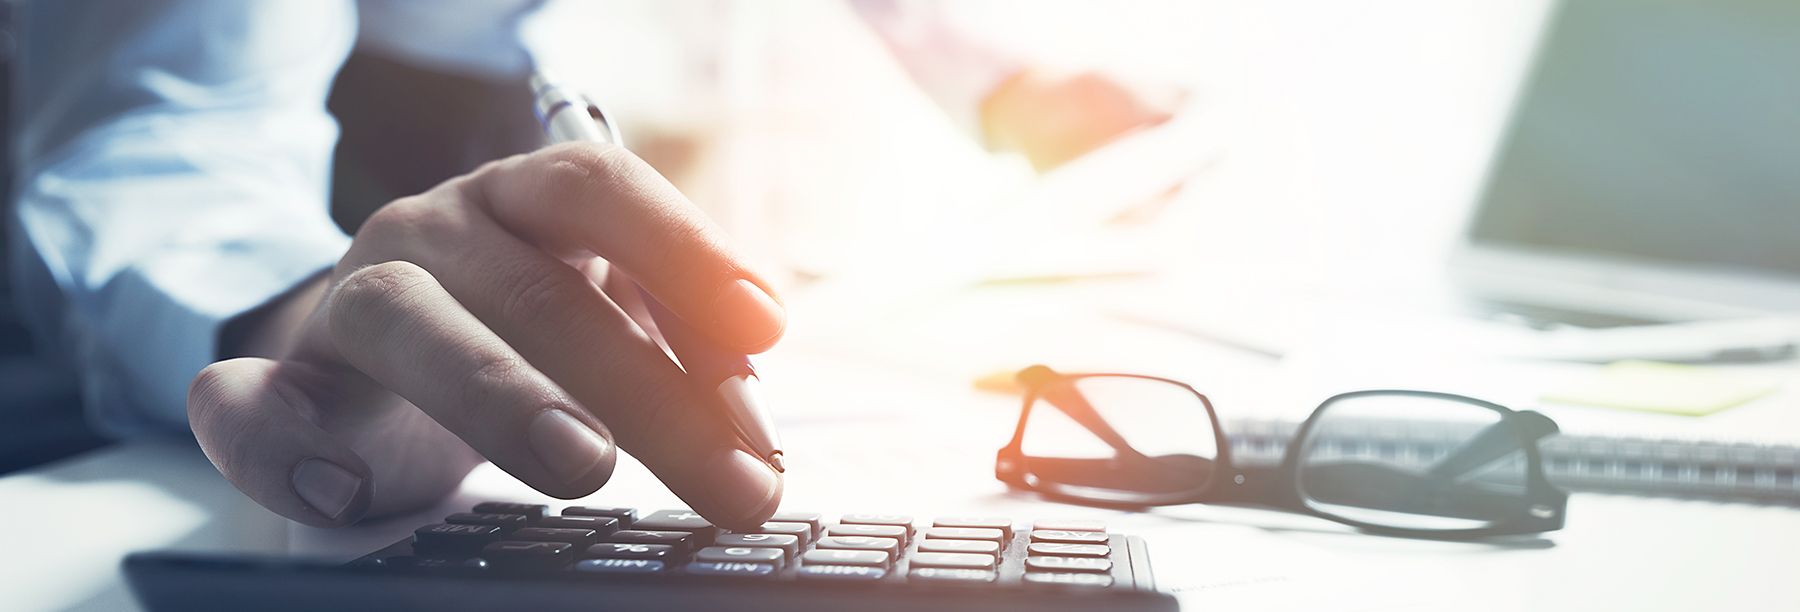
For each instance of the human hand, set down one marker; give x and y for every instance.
(1054, 117)
(479, 320)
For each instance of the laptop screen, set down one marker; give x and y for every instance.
(1660, 131)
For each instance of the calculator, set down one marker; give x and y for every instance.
(521, 556)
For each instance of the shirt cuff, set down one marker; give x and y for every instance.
(165, 314)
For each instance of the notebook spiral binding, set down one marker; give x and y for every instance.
(1761, 473)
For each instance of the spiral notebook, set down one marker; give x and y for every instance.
(1744, 471)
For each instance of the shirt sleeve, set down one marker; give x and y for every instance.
(934, 41)
(173, 164)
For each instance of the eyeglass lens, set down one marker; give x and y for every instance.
(1413, 462)
(1119, 433)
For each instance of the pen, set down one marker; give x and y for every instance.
(571, 117)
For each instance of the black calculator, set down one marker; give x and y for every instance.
(516, 556)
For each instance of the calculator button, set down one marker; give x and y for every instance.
(446, 537)
(948, 574)
(1069, 525)
(600, 524)
(625, 515)
(897, 520)
(578, 538)
(956, 560)
(874, 531)
(1068, 564)
(820, 556)
(842, 572)
(730, 568)
(1068, 537)
(966, 533)
(1069, 550)
(509, 553)
(504, 521)
(621, 550)
(1092, 580)
(619, 566)
(802, 531)
(813, 519)
(742, 554)
(887, 545)
(531, 512)
(678, 520)
(960, 546)
(679, 541)
(787, 544)
(976, 522)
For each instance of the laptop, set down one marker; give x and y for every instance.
(1650, 171)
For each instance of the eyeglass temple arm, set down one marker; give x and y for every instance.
(1060, 392)
(1493, 442)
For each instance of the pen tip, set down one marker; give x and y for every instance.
(775, 462)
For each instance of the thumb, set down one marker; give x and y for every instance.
(240, 412)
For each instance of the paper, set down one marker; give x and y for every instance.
(1663, 387)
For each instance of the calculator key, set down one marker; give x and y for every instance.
(619, 566)
(956, 560)
(742, 554)
(537, 555)
(802, 531)
(949, 574)
(730, 568)
(966, 533)
(1069, 550)
(861, 544)
(1069, 525)
(821, 556)
(678, 520)
(600, 524)
(1069, 578)
(959, 546)
(813, 519)
(887, 545)
(977, 522)
(787, 544)
(1068, 537)
(504, 521)
(622, 550)
(842, 572)
(444, 537)
(531, 512)
(874, 531)
(897, 520)
(1068, 564)
(625, 515)
(680, 542)
(578, 538)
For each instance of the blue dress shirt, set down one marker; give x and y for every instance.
(173, 159)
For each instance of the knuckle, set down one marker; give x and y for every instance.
(534, 297)
(369, 295)
(413, 220)
(571, 172)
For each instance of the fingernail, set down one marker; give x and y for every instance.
(329, 489)
(564, 444)
(747, 315)
(744, 490)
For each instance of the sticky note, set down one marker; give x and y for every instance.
(1664, 387)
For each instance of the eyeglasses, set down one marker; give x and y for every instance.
(1413, 463)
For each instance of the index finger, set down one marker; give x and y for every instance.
(579, 198)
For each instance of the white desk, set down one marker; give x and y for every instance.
(926, 447)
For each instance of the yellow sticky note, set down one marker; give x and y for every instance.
(1663, 387)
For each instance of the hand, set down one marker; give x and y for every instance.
(1055, 117)
(478, 320)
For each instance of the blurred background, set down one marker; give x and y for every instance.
(1583, 208)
